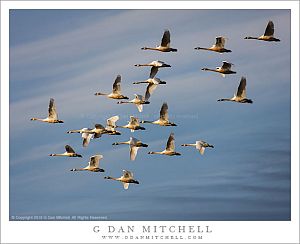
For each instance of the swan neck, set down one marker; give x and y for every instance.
(191, 145)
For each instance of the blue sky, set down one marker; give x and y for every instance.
(71, 54)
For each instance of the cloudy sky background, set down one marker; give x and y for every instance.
(71, 54)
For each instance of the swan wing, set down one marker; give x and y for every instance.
(164, 112)
(117, 85)
(201, 150)
(241, 91)
(171, 143)
(140, 107)
(220, 41)
(149, 91)
(69, 149)
(153, 72)
(133, 141)
(94, 161)
(269, 29)
(99, 126)
(139, 97)
(133, 152)
(86, 137)
(111, 122)
(125, 185)
(165, 41)
(226, 65)
(133, 121)
(52, 109)
(127, 174)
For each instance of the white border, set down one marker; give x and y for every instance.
(82, 232)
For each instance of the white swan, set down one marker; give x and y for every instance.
(133, 124)
(200, 146)
(134, 145)
(217, 47)
(126, 179)
(225, 69)
(52, 114)
(268, 35)
(165, 44)
(170, 148)
(163, 119)
(93, 165)
(68, 153)
(240, 96)
(116, 93)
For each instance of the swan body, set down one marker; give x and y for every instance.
(97, 131)
(52, 114)
(225, 69)
(152, 79)
(69, 153)
(170, 148)
(133, 125)
(217, 47)
(116, 93)
(268, 35)
(155, 63)
(200, 146)
(163, 119)
(134, 145)
(240, 96)
(86, 136)
(126, 179)
(165, 44)
(138, 100)
(93, 165)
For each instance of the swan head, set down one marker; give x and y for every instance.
(144, 48)
(72, 169)
(60, 121)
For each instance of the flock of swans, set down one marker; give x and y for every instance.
(140, 100)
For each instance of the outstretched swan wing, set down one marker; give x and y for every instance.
(165, 41)
(164, 112)
(69, 149)
(52, 109)
(117, 85)
(241, 92)
(269, 29)
(171, 143)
